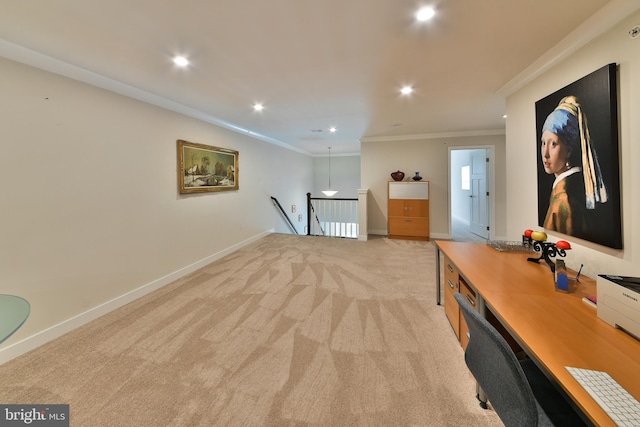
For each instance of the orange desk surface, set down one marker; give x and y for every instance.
(557, 329)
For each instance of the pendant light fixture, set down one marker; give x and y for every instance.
(329, 192)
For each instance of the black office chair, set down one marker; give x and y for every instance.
(508, 382)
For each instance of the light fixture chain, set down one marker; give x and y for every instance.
(329, 168)
(329, 192)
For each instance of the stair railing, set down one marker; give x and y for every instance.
(333, 217)
(284, 214)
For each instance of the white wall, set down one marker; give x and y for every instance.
(615, 46)
(345, 175)
(90, 206)
(430, 157)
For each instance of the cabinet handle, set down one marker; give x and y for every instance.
(450, 284)
(450, 268)
(407, 220)
(471, 300)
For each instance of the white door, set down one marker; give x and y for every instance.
(479, 222)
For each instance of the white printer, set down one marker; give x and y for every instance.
(619, 302)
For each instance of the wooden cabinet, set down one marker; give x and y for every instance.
(408, 210)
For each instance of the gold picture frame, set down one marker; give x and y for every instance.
(203, 168)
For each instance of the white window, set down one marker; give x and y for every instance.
(465, 177)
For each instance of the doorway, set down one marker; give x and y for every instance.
(470, 195)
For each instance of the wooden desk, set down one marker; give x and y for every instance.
(555, 329)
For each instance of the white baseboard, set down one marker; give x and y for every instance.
(432, 236)
(439, 236)
(379, 232)
(36, 340)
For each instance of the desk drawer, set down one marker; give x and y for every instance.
(470, 296)
(451, 286)
(451, 308)
(409, 226)
(450, 273)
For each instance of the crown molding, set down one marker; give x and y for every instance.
(38, 60)
(596, 25)
(440, 135)
(336, 155)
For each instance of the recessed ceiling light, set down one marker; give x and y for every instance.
(425, 14)
(406, 90)
(258, 107)
(333, 129)
(180, 61)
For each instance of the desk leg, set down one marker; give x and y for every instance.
(437, 275)
(482, 309)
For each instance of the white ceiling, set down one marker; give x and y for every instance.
(314, 64)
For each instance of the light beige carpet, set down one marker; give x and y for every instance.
(289, 331)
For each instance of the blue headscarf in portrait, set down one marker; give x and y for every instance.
(565, 125)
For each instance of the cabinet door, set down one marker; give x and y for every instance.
(408, 208)
(416, 208)
(396, 207)
(409, 190)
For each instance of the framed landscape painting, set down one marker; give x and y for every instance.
(203, 168)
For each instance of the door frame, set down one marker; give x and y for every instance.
(491, 173)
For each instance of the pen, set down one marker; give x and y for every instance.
(578, 275)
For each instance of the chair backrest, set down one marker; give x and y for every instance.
(497, 370)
